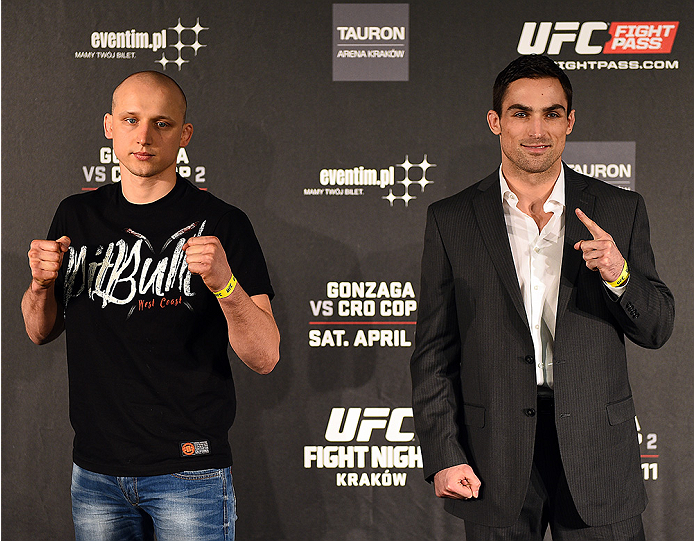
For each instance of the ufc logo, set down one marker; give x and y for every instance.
(343, 428)
(534, 40)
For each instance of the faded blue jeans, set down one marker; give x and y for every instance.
(191, 505)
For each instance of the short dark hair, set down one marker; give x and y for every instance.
(532, 66)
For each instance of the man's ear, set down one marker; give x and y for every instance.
(494, 122)
(572, 120)
(186, 134)
(108, 126)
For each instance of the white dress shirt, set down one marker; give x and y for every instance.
(537, 256)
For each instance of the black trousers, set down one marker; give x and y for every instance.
(548, 501)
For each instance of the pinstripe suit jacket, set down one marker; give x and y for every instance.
(473, 371)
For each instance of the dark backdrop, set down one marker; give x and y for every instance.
(268, 120)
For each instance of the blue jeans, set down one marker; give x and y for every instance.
(192, 505)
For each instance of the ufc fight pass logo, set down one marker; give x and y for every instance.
(588, 38)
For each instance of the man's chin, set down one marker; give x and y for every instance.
(142, 172)
(541, 165)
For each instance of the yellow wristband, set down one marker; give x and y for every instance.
(622, 277)
(228, 290)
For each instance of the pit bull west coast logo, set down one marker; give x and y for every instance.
(126, 272)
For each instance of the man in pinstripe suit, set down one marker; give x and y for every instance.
(521, 394)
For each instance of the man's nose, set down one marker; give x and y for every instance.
(144, 134)
(536, 127)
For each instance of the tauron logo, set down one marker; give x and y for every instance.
(375, 33)
(625, 37)
(371, 42)
(611, 161)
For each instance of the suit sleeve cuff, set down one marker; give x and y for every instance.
(616, 292)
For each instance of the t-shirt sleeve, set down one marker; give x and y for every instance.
(57, 229)
(54, 231)
(244, 254)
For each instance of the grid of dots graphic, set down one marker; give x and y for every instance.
(179, 45)
(423, 182)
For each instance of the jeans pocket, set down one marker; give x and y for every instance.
(198, 475)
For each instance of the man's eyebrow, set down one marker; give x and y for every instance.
(137, 113)
(521, 107)
(554, 107)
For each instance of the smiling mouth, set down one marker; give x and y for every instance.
(535, 147)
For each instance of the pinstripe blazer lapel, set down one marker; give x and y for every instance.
(576, 196)
(489, 213)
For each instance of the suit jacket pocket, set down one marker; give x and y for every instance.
(473, 415)
(622, 411)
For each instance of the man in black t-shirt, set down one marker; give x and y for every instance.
(151, 279)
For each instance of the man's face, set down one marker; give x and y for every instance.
(533, 126)
(147, 127)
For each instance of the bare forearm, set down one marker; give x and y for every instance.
(42, 318)
(252, 329)
(253, 333)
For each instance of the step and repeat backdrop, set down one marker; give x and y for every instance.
(334, 126)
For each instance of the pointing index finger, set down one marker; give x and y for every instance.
(593, 228)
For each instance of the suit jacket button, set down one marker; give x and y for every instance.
(530, 412)
(529, 359)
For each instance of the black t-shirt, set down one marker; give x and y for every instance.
(151, 390)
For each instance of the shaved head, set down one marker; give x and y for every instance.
(148, 127)
(153, 78)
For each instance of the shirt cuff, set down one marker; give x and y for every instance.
(616, 292)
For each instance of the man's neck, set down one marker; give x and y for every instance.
(143, 190)
(532, 190)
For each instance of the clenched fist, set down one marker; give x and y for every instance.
(206, 257)
(45, 259)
